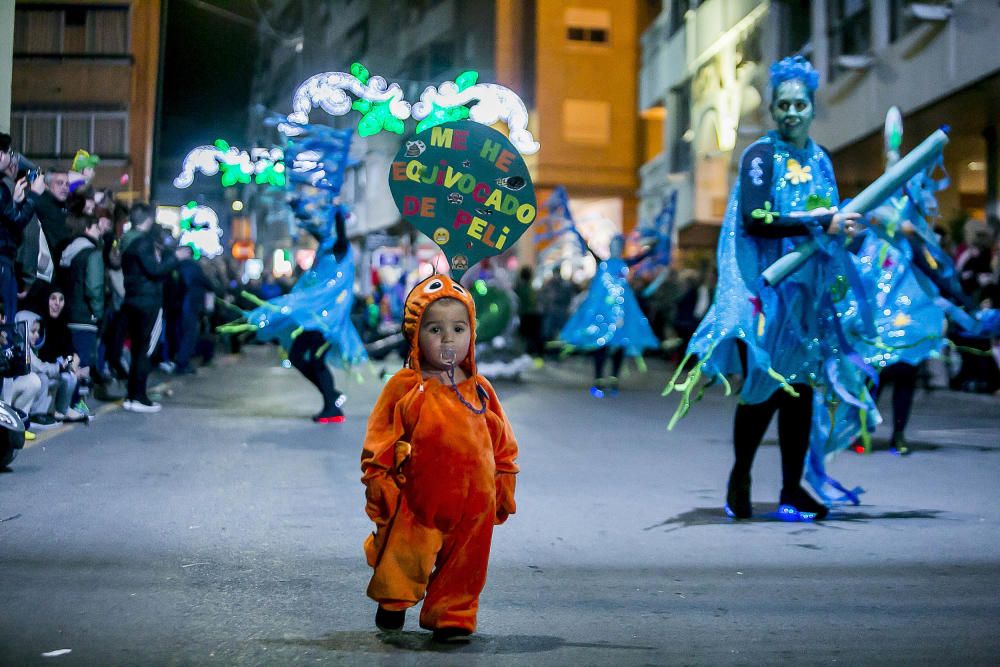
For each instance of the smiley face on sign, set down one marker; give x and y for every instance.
(468, 190)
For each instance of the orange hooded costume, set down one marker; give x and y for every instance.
(438, 477)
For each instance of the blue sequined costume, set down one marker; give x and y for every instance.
(321, 300)
(911, 284)
(794, 332)
(610, 315)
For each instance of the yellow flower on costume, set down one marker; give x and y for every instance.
(797, 174)
(901, 320)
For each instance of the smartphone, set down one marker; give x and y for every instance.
(32, 175)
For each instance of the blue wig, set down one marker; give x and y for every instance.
(794, 68)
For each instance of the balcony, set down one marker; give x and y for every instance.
(668, 59)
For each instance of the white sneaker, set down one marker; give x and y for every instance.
(139, 406)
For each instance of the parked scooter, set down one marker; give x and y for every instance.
(11, 434)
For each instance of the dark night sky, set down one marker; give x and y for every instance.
(207, 75)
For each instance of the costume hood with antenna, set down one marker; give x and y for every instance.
(419, 299)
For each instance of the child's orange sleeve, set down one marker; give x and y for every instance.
(378, 457)
(504, 457)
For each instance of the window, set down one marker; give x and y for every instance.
(71, 30)
(586, 122)
(797, 26)
(901, 17)
(60, 135)
(678, 9)
(680, 139)
(588, 26)
(849, 30)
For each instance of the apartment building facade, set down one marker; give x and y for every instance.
(84, 77)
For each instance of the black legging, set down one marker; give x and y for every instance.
(903, 377)
(601, 357)
(303, 356)
(794, 422)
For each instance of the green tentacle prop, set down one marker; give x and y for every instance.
(677, 373)
(640, 363)
(686, 388)
(257, 301)
(235, 327)
(866, 436)
(231, 306)
(782, 382)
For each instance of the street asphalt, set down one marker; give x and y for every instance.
(227, 529)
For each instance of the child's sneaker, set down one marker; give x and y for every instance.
(389, 620)
(451, 635)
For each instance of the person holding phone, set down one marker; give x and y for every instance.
(16, 211)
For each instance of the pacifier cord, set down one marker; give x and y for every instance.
(448, 356)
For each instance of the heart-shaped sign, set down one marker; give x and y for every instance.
(466, 187)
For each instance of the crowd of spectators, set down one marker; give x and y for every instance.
(83, 279)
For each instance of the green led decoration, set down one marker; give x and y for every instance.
(187, 215)
(441, 114)
(271, 173)
(383, 106)
(376, 117)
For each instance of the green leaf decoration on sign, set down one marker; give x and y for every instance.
(765, 213)
(222, 145)
(815, 201)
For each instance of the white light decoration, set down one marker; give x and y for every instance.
(204, 159)
(496, 103)
(384, 108)
(237, 165)
(200, 226)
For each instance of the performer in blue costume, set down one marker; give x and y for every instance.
(609, 321)
(313, 321)
(912, 283)
(786, 339)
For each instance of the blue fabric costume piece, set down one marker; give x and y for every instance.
(321, 300)
(610, 315)
(912, 285)
(793, 332)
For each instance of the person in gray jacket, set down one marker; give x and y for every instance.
(82, 277)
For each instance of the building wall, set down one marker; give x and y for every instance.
(6, 62)
(87, 86)
(931, 61)
(585, 100)
(705, 69)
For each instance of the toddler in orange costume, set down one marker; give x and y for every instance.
(438, 465)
